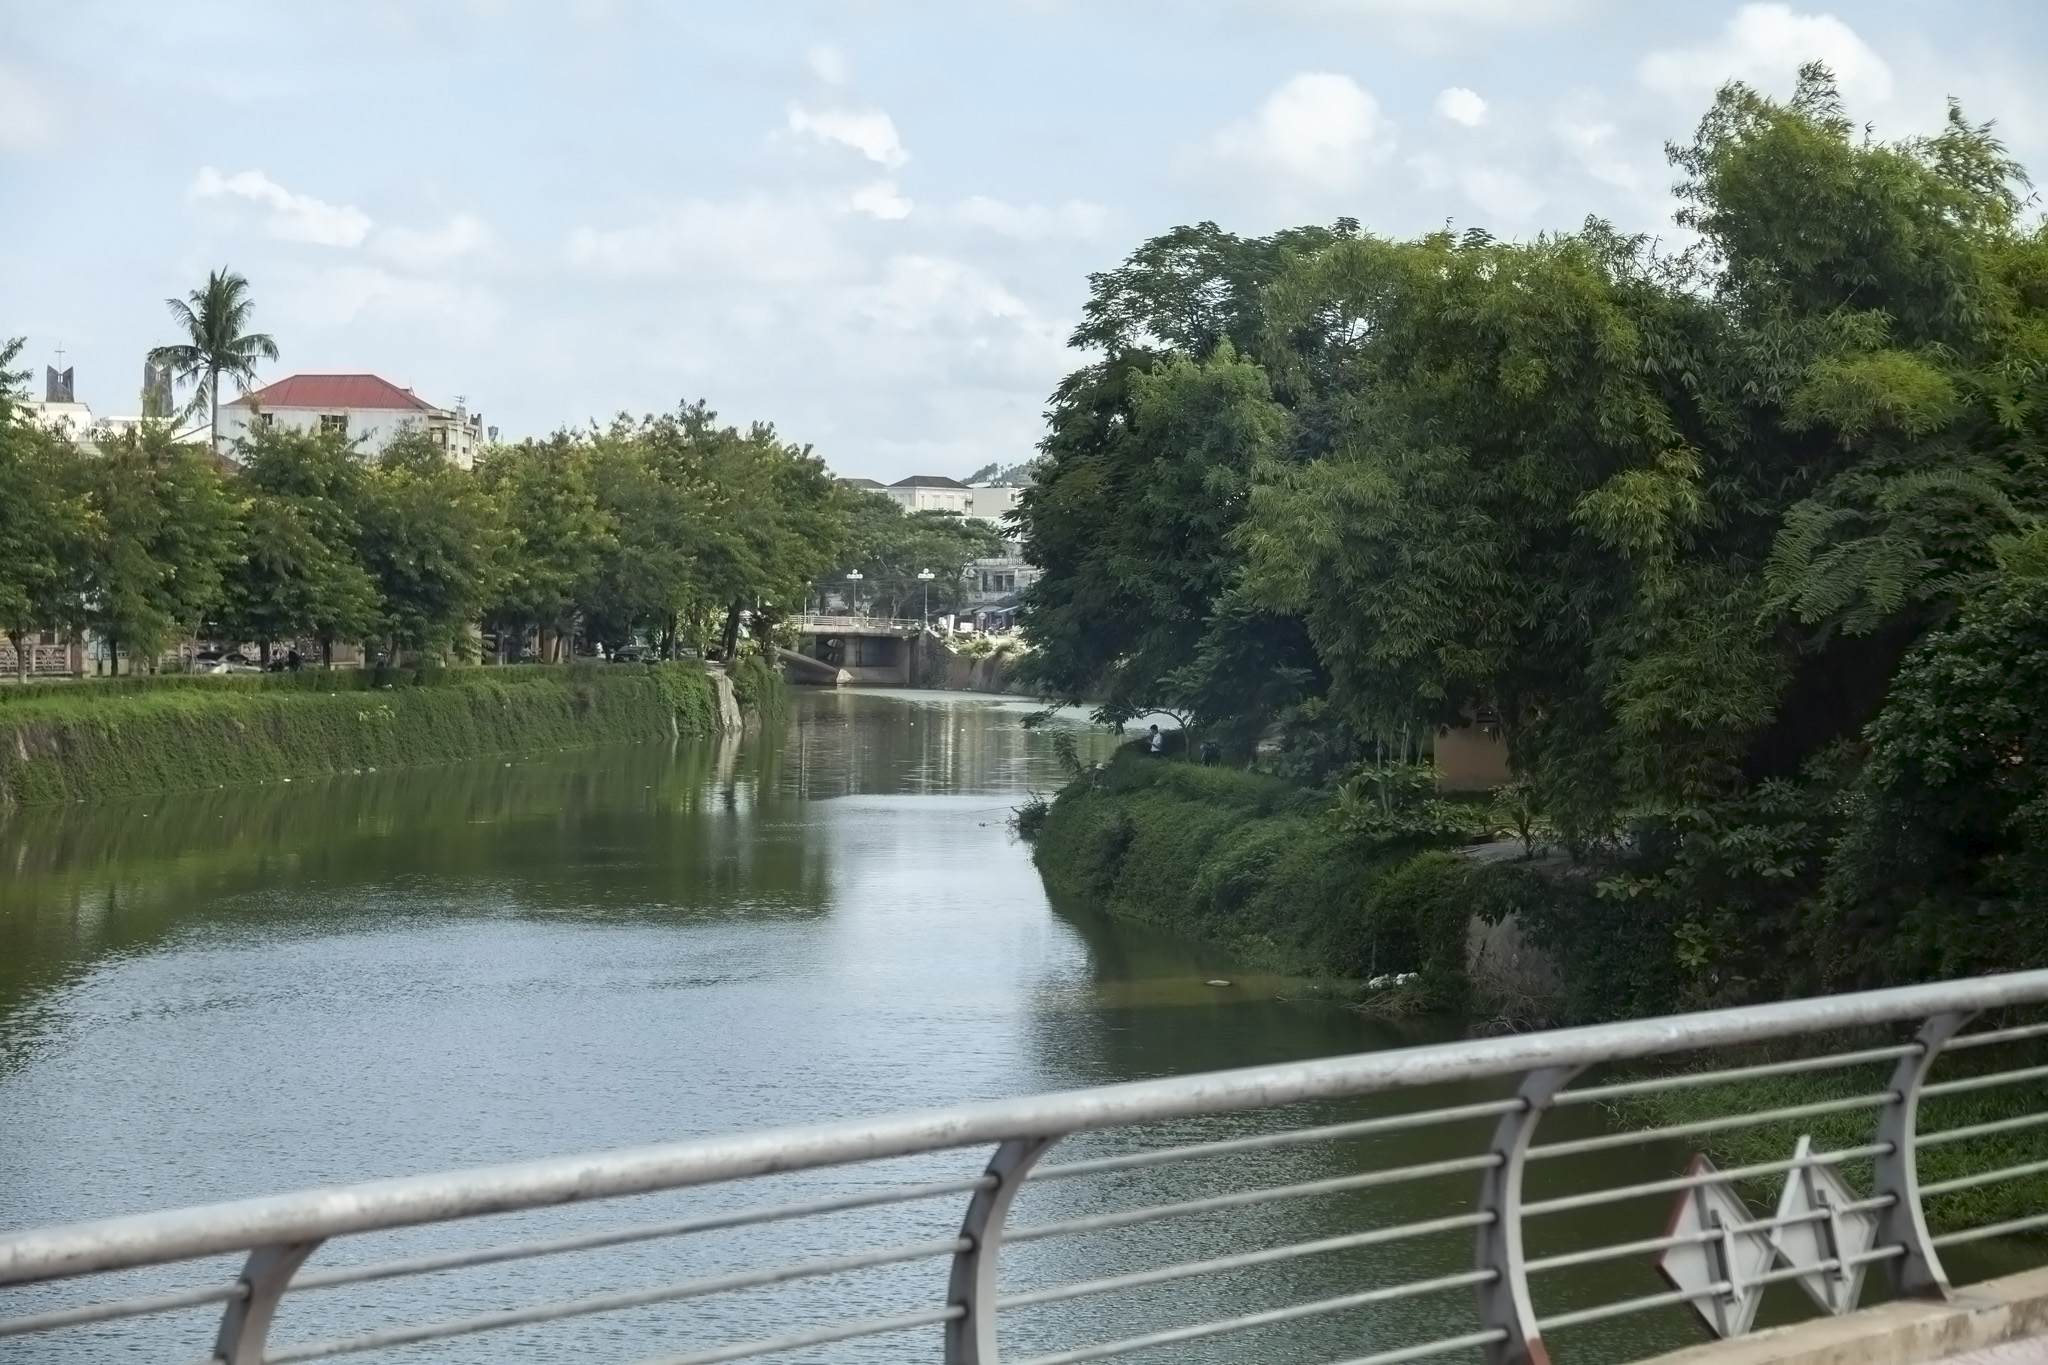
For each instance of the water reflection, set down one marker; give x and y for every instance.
(240, 991)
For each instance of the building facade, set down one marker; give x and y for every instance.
(366, 409)
(994, 501)
(932, 493)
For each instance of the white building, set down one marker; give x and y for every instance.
(994, 501)
(368, 410)
(72, 421)
(990, 580)
(932, 493)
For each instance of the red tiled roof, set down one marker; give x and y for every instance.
(336, 393)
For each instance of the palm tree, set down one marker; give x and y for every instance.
(213, 319)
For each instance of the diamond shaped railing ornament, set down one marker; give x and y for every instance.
(1818, 1227)
(1722, 1252)
(1734, 1259)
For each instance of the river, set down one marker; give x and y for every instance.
(243, 991)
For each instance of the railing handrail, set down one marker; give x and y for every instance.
(146, 1239)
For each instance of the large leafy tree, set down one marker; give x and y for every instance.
(301, 573)
(890, 547)
(433, 541)
(217, 344)
(1146, 471)
(672, 526)
(559, 535)
(1676, 520)
(780, 512)
(1149, 472)
(170, 537)
(48, 525)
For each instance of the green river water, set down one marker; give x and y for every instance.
(239, 992)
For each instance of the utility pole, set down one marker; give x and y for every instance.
(924, 576)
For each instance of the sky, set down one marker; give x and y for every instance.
(869, 222)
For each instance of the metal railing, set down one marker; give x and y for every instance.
(1182, 1274)
(811, 624)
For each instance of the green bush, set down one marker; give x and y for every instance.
(85, 741)
(757, 686)
(1257, 864)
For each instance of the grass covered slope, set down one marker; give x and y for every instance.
(174, 734)
(1256, 865)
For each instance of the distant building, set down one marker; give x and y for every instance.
(368, 410)
(72, 421)
(932, 493)
(865, 485)
(994, 501)
(59, 412)
(988, 581)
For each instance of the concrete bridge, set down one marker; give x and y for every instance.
(855, 651)
(919, 1224)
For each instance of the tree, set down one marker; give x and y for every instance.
(47, 526)
(217, 346)
(1148, 473)
(777, 514)
(559, 536)
(171, 534)
(300, 572)
(1676, 520)
(890, 547)
(433, 542)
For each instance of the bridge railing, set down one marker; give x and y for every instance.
(968, 1235)
(824, 625)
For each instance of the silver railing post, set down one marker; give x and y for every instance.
(971, 1338)
(1504, 1300)
(245, 1326)
(1903, 1222)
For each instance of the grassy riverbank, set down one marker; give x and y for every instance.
(1258, 866)
(84, 741)
(1262, 868)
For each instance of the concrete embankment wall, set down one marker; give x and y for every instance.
(941, 666)
(68, 742)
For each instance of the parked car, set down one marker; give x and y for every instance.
(633, 654)
(232, 663)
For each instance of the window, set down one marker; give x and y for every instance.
(269, 419)
(334, 421)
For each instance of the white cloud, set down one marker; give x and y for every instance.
(870, 132)
(1460, 105)
(1505, 196)
(916, 293)
(342, 295)
(292, 217)
(1593, 140)
(881, 200)
(1318, 134)
(1503, 193)
(1519, 12)
(462, 236)
(26, 121)
(1433, 25)
(827, 63)
(1032, 222)
(1764, 45)
(757, 240)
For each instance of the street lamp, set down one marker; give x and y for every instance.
(924, 576)
(853, 593)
